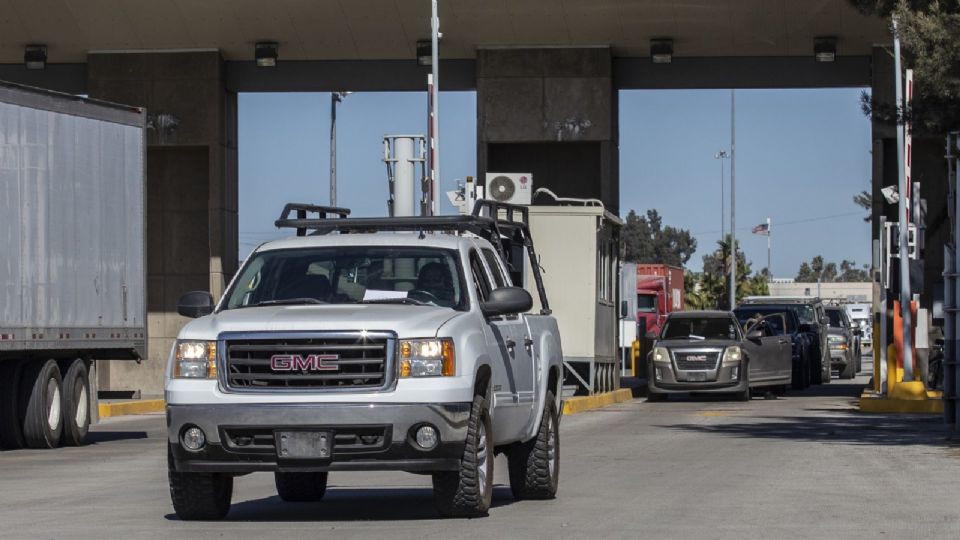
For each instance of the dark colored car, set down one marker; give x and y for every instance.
(813, 322)
(709, 352)
(801, 353)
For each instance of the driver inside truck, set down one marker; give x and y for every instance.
(435, 279)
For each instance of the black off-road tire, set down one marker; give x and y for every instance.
(464, 493)
(76, 403)
(531, 474)
(301, 487)
(199, 496)
(41, 394)
(11, 421)
(849, 371)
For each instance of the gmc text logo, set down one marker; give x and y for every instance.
(295, 362)
(696, 358)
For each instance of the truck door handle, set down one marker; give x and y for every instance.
(527, 342)
(511, 343)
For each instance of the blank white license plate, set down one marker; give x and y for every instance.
(696, 377)
(303, 444)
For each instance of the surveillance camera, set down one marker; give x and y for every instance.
(891, 194)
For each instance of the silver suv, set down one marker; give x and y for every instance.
(371, 344)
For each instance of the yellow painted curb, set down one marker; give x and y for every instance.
(580, 404)
(872, 403)
(121, 408)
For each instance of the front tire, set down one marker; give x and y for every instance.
(301, 487)
(849, 371)
(535, 464)
(199, 496)
(41, 393)
(468, 492)
(76, 403)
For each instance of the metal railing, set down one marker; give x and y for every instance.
(951, 351)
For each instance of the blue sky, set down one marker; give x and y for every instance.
(801, 156)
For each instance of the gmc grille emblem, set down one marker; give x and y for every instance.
(296, 362)
(696, 358)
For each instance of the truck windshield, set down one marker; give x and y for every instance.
(351, 275)
(836, 321)
(647, 302)
(700, 328)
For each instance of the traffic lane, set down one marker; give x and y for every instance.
(694, 468)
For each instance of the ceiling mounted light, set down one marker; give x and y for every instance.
(265, 53)
(661, 50)
(825, 49)
(424, 52)
(35, 56)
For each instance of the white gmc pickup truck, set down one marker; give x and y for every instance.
(369, 344)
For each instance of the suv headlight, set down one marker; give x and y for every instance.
(195, 360)
(732, 356)
(661, 354)
(837, 342)
(427, 358)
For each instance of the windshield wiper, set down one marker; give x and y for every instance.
(405, 300)
(289, 301)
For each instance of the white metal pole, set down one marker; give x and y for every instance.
(769, 236)
(435, 112)
(733, 199)
(905, 297)
(334, 98)
(723, 211)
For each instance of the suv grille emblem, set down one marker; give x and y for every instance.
(296, 362)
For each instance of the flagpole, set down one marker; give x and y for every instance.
(769, 234)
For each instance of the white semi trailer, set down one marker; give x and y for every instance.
(72, 261)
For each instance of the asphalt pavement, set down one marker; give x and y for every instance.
(806, 465)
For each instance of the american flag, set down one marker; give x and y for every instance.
(763, 229)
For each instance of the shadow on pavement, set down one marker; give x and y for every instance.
(843, 428)
(352, 504)
(95, 437)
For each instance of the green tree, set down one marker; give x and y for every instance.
(646, 240)
(695, 295)
(864, 200)
(819, 270)
(929, 31)
(716, 276)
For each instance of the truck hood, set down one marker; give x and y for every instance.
(406, 321)
(675, 344)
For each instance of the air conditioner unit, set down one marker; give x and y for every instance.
(512, 188)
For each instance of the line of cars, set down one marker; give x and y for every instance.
(768, 343)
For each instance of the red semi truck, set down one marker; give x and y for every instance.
(659, 293)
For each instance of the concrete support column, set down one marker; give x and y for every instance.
(191, 187)
(552, 112)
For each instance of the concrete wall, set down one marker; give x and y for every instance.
(191, 188)
(551, 112)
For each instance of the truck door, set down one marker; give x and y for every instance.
(508, 344)
(764, 351)
(783, 367)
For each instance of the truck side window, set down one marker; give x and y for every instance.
(498, 278)
(480, 280)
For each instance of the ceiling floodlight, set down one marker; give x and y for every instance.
(825, 49)
(891, 194)
(266, 53)
(35, 56)
(661, 50)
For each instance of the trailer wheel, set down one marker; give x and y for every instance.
(76, 403)
(11, 422)
(535, 464)
(41, 394)
(301, 487)
(199, 496)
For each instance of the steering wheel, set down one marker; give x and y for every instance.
(424, 296)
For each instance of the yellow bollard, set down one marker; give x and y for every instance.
(635, 354)
(876, 358)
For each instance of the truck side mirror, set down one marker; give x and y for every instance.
(507, 301)
(195, 304)
(755, 333)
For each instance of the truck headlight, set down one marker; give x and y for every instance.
(427, 358)
(661, 354)
(837, 342)
(195, 360)
(732, 356)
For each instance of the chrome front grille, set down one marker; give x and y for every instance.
(278, 362)
(696, 360)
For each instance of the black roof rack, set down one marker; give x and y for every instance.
(501, 224)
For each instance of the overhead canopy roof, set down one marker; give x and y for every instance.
(389, 29)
